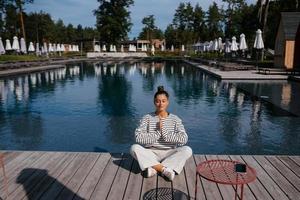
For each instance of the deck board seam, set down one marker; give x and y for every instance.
(62, 189)
(88, 174)
(294, 161)
(128, 179)
(63, 157)
(282, 161)
(122, 160)
(58, 175)
(275, 182)
(200, 179)
(100, 176)
(217, 184)
(258, 179)
(33, 163)
(266, 157)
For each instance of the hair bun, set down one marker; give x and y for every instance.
(160, 88)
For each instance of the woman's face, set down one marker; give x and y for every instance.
(161, 102)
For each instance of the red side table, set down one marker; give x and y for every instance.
(223, 172)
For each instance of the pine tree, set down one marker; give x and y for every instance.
(113, 20)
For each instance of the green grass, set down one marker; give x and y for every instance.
(7, 58)
(16, 58)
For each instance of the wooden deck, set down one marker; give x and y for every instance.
(62, 175)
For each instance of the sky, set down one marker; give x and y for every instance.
(81, 11)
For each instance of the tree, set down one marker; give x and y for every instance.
(20, 5)
(11, 21)
(233, 16)
(113, 20)
(150, 31)
(199, 27)
(214, 19)
(149, 26)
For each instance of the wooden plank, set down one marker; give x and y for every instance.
(273, 189)
(88, 186)
(73, 185)
(190, 173)
(53, 173)
(103, 187)
(10, 155)
(247, 191)
(118, 187)
(285, 171)
(135, 183)
(18, 162)
(296, 159)
(256, 187)
(211, 189)
(180, 187)
(64, 177)
(227, 191)
(37, 174)
(149, 186)
(280, 180)
(12, 183)
(290, 164)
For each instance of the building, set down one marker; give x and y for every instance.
(287, 45)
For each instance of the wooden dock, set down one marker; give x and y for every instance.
(237, 74)
(67, 175)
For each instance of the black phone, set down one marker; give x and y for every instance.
(239, 167)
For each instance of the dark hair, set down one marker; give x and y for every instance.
(160, 90)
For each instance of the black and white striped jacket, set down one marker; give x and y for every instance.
(172, 134)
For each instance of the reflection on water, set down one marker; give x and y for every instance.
(97, 106)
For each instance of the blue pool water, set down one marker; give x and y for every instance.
(97, 106)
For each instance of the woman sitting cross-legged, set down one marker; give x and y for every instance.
(161, 136)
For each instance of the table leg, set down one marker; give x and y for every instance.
(242, 191)
(196, 185)
(236, 191)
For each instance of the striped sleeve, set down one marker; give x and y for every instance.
(143, 135)
(179, 135)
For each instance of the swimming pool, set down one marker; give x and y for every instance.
(97, 106)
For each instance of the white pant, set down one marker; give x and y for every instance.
(172, 158)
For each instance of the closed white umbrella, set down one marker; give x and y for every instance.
(220, 44)
(162, 48)
(216, 45)
(258, 43)
(23, 46)
(50, 49)
(16, 45)
(62, 47)
(122, 48)
(234, 46)
(152, 49)
(111, 48)
(227, 46)
(172, 48)
(182, 48)
(243, 44)
(45, 48)
(58, 48)
(7, 45)
(2, 50)
(104, 48)
(37, 49)
(31, 47)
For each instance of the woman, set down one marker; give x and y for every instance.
(161, 137)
